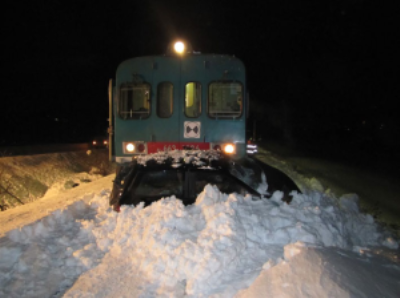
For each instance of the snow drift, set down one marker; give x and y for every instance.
(217, 247)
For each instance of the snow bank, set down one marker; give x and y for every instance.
(44, 258)
(327, 272)
(220, 245)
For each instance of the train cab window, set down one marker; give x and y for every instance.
(134, 101)
(225, 100)
(192, 100)
(165, 98)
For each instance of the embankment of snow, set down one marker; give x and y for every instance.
(217, 246)
(24, 179)
(326, 272)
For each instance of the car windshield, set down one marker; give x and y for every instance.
(160, 184)
(151, 185)
(224, 182)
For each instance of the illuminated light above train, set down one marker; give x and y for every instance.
(179, 47)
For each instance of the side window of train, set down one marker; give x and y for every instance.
(193, 99)
(165, 91)
(225, 99)
(134, 101)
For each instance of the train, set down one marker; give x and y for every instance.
(179, 100)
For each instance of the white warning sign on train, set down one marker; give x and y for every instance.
(191, 129)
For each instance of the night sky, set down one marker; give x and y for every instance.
(316, 69)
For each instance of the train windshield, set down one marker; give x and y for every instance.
(134, 101)
(225, 99)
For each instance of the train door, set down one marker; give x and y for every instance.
(192, 87)
(177, 109)
(167, 106)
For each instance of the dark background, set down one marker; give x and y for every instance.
(321, 74)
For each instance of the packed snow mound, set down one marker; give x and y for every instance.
(214, 248)
(324, 273)
(44, 258)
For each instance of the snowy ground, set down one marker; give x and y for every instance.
(28, 177)
(73, 245)
(377, 189)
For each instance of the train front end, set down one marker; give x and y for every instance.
(186, 102)
(180, 100)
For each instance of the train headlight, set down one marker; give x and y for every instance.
(179, 47)
(134, 147)
(130, 147)
(229, 148)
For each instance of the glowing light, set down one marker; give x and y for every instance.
(179, 47)
(229, 148)
(130, 147)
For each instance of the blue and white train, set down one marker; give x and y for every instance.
(182, 99)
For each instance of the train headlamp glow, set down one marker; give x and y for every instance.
(179, 47)
(229, 148)
(130, 147)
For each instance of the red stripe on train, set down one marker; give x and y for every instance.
(153, 147)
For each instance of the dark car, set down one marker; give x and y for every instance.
(148, 183)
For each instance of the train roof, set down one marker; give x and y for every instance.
(188, 56)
